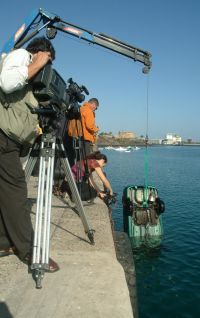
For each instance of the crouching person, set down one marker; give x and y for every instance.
(83, 175)
(17, 129)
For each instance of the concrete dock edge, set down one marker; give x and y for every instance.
(91, 281)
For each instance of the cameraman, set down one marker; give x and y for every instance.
(18, 129)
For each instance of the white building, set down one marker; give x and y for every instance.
(172, 139)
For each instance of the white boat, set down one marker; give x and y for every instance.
(126, 149)
(109, 148)
(121, 149)
(132, 148)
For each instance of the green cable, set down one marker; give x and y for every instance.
(146, 173)
(146, 149)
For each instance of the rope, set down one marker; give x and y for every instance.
(146, 145)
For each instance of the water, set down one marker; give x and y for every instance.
(168, 278)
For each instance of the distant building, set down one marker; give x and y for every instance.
(126, 135)
(172, 139)
(155, 141)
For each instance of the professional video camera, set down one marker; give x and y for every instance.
(75, 93)
(110, 199)
(54, 94)
(56, 98)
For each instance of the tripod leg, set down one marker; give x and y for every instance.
(47, 213)
(75, 193)
(38, 271)
(40, 259)
(36, 253)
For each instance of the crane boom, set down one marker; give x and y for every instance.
(52, 23)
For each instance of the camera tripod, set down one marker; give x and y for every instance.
(46, 148)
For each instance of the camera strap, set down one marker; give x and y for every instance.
(3, 100)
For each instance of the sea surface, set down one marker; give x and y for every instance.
(168, 277)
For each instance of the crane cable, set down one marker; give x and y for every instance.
(146, 145)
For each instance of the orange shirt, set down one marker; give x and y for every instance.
(88, 124)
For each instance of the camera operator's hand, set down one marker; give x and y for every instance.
(111, 192)
(39, 60)
(101, 195)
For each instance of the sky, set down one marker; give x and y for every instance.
(167, 100)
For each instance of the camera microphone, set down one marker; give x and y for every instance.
(84, 89)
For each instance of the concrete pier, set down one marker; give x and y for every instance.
(91, 282)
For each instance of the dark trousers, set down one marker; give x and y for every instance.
(86, 191)
(76, 148)
(15, 220)
(88, 147)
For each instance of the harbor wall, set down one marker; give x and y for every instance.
(91, 281)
